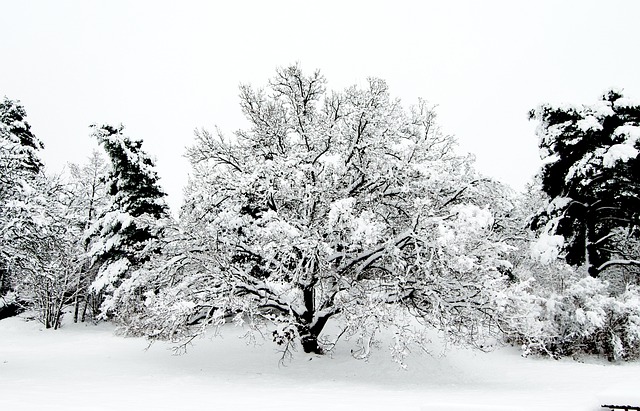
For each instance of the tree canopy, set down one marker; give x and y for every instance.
(334, 206)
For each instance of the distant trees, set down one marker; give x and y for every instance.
(88, 181)
(333, 206)
(592, 176)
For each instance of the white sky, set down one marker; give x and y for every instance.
(165, 68)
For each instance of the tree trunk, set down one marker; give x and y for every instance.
(590, 255)
(309, 341)
(3, 275)
(310, 329)
(76, 301)
(312, 323)
(591, 258)
(84, 309)
(587, 256)
(309, 334)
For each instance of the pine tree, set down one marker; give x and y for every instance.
(19, 168)
(592, 176)
(20, 146)
(127, 234)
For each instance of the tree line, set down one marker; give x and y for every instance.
(339, 207)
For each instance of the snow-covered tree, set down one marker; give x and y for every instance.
(19, 145)
(39, 241)
(592, 176)
(126, 233)
(582, 318)
(49, 258)
(333, 206)
(19, 168)
(88, 184)
(584, 211)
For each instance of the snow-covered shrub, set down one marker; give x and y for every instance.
(46, 245)
(551, 308)
(584, 319)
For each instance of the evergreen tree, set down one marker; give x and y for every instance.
(19, 168)
(592, 176)
(20, 146)
(126, 234)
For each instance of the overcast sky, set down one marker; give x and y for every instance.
(165, 68)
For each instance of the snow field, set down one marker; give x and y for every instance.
(86, 367)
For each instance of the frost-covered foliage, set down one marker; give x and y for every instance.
(537, 255)
(127, 232)
(332, 206)
(592, 175)
(18, 144)
(48, 267)
(558, 310)
(88, 184)
(585, 319)
(39, 236)
(19, 168)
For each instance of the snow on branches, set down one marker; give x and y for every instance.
(338, 206)
(126, 233)
(591, 175)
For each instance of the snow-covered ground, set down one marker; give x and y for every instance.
(86, 367)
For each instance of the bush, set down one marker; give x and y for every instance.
(582, 320)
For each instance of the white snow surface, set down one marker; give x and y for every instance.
(626, 102)
(589, 123)
(546, 248)
(87, 367)
(619, 152)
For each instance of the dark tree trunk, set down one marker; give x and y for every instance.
(311, 323)
(309, 334)
(308, 331)
(84, 310)
(593, 256)
(310, 344)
